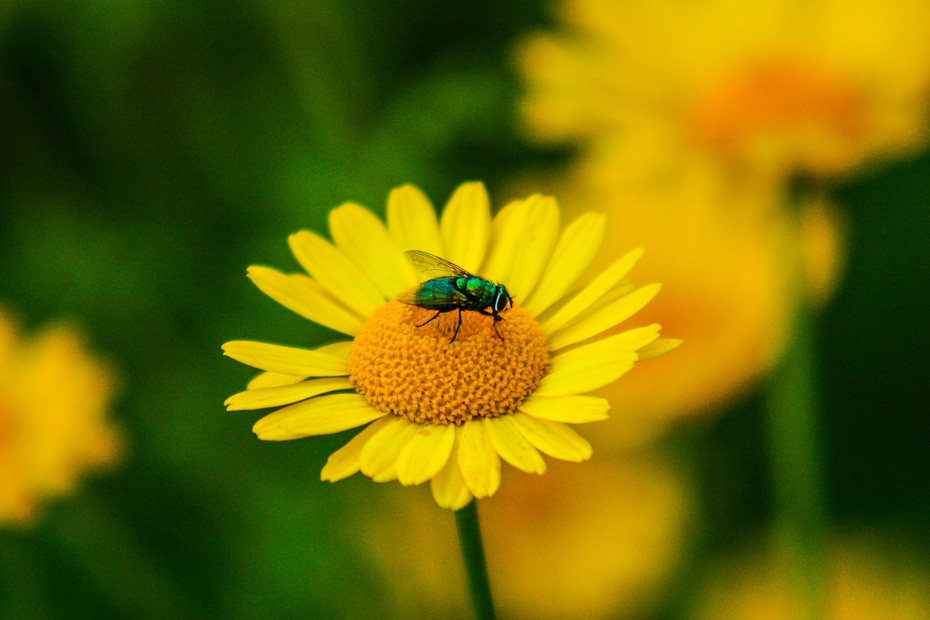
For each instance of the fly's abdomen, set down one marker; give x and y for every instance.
(442, 294)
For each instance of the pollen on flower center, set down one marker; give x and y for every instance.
(417, 373)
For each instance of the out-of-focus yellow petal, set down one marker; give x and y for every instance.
(412, 221)
(365, 240)
(513, 447)
(345, 462)
(570, 409)
(466, 226)
(478, 460)
(306, 297)
(425, 454)
(286, 360)
(336, 273)
(285, 394)
(554, 438)
(572, 256)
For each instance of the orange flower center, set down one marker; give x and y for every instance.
(784, 112)
(421, 374)
(7, 426)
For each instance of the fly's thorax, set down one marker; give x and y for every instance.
(480, 290)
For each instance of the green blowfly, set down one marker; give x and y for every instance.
(455, 289)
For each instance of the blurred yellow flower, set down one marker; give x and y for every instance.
(771, 88)
(598, 541)
(54, 398)
(867, 578)
(448, 398)
(728, 288)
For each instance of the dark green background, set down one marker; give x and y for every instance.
(151, 151)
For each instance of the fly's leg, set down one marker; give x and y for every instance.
(456, 327)
(496, 319)
(431, 319)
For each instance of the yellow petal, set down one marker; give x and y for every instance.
(592, 292)
(506, 228)
(336, 272)
(605, 318)
(306, 297)
(379, 456)
(338, 349)
(466, 226)
(513, 446)
(344, 462)
(448, 487)
(323, 415)
(522, 243)
(286, 360)
(285, 394)
(425, 454)
(478, 460)
(412, 221)
(571, 409)
(584, 369)
(365, 240)
(272, 379)
(658, 348)
(554, 438)
(576, 249)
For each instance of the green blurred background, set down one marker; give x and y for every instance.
(151, 151)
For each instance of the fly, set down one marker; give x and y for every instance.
(456, 289)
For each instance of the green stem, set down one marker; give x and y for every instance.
(476, 568)
(796, 468)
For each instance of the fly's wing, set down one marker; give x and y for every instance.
(410, 296)
(434, 266)
(434, 295)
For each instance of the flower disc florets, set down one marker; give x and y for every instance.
(417, 373)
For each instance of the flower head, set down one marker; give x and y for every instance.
(729, 290)
(53, 428)
(446, 387)
(867, 576)
(768, 87)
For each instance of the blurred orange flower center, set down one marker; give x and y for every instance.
(7, 426)
(420, 374)
(782, 100)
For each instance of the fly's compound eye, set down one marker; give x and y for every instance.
(501, 300)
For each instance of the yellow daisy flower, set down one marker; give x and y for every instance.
(728, 289)
(443, 407)
(54, 398)
(770, 87)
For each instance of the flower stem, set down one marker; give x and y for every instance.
(796, 469)
(466, 520)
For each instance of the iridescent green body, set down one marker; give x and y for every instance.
(460, 291)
